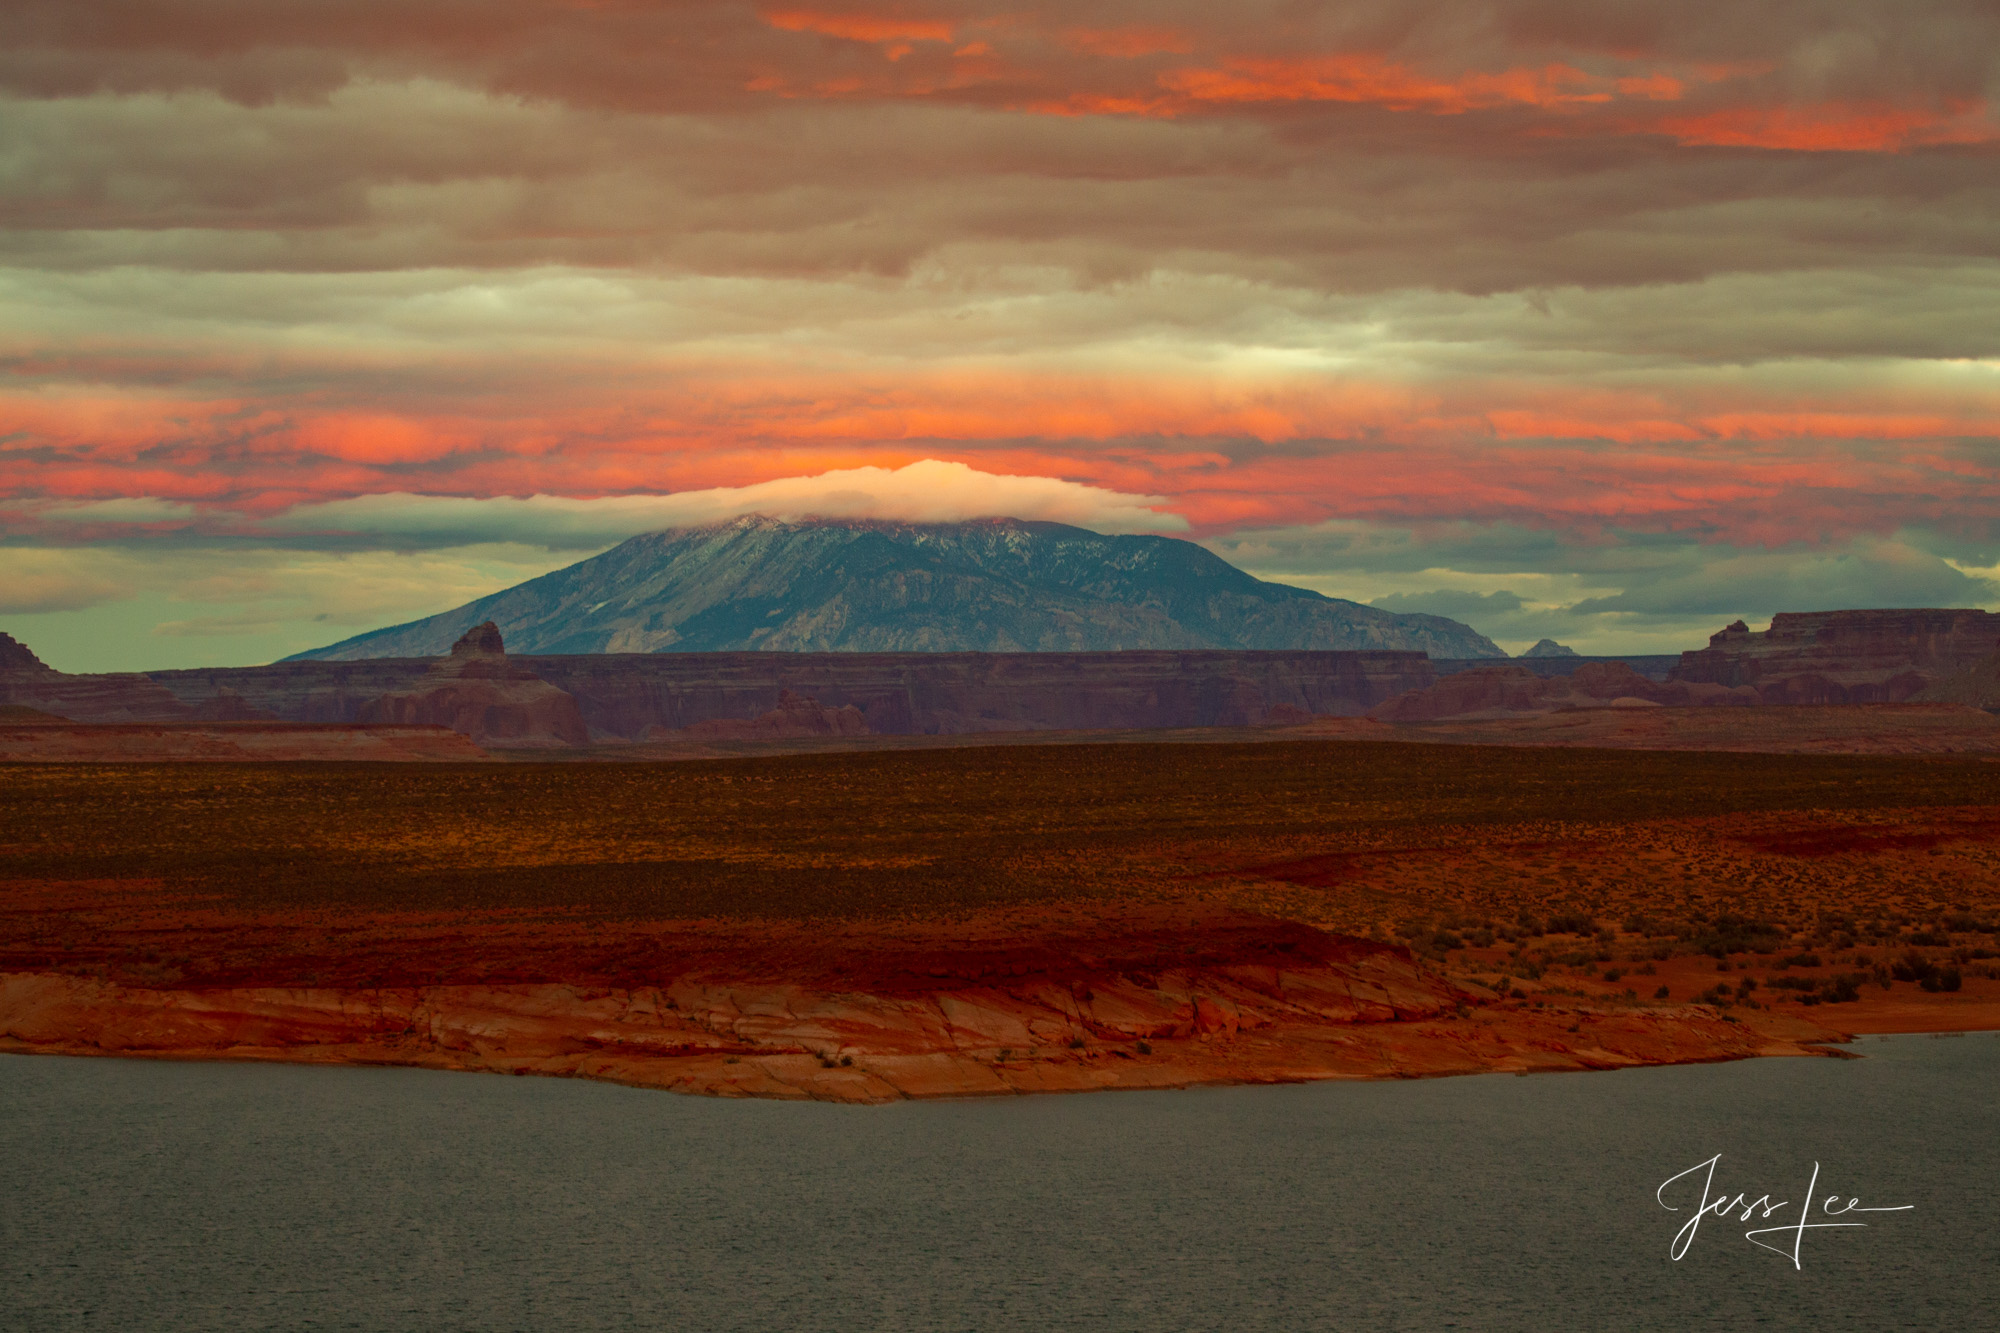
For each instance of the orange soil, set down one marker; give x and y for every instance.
(1858, 885)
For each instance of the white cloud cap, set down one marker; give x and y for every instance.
(930, 491)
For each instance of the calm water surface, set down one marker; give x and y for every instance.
(139, 1195)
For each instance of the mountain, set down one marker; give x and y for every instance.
(1550, 648)
(998, 585)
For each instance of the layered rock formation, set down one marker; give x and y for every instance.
(627, 695)
(298, 691)
(478, 692)
(54, 742)
(1653, 666)
(17, 660)
(229, 706)
(795, 717)
(1516, 691)
(998, 585)
(1911, 728)
(1843, 657)
(1975, 686)
(27, 682)
(865, 1014)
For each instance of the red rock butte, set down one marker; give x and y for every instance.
(476, 690)
(1840, 657)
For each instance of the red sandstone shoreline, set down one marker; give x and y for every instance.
(1373, 1017)
(1013, 1000)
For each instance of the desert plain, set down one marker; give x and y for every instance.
(874, 925)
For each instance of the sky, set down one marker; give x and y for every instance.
(1603, 320)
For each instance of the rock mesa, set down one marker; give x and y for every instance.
(1516, 691)
(624, 696)
(796, 716)
(27, 682)
(1843, 657)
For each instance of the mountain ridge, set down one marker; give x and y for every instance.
(992, 585)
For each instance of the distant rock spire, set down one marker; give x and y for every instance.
(482, 640)
(480, 654)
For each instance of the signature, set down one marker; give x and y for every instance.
(1719, 1206)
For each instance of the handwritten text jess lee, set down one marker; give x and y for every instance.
(1763, 1208)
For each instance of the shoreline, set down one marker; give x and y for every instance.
(1020, 1002)
(779, 1041)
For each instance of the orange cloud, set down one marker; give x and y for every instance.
(1652, 87)
(735, 411)
(1130, 42)
(375, 438)
(1227, 453)
(1370, 78)
(1101, 104)
(1028, 65)
(1628, 422)
(1623, 428)
(1027, 79)
(878, 29)
(1835, 127)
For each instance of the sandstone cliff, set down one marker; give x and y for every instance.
(229, 706)
(1843, 657)
(626, 695)
(17, 660)
(854, 1013)
(1516, 691)
(1977, 686)
(795, 716)
(477, 691)
(50, 741)
(25, 681)
(1653, 666)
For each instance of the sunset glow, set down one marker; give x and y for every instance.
(1565, 301)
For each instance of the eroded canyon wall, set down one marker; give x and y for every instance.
(1844, 657)
(26, 682)
(624, 695)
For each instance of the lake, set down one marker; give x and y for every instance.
(149, 1195)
